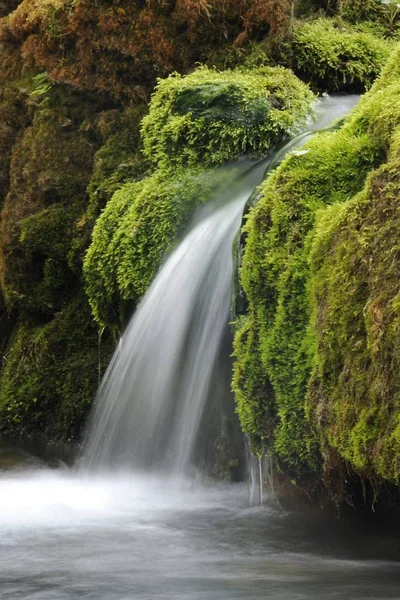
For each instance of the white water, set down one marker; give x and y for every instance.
(115, 534)
(153, 396)
(118, 537)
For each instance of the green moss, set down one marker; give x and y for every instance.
(119, 159)
(206, 117)
(51, 373)
(355, 11)
(382, 15)
(13, 117)
(138, 226)
(275, 345)
(354, 391)
(49, 173)
(210, 117)
(334, 56)
(41, 279)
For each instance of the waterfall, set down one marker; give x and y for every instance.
(150, 406)
(152, 399)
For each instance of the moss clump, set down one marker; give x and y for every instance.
(43, 278)
(119, 159)
(334, 56)
(120, 48)
(355, 11)
(354, 390)
(275, 344)
(204, 118)
(50, 170)
(48, 162)
(380, 14)
(50, 374)
(136, 229)
(13, 117)
(210, 117)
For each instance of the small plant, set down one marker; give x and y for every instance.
(41, 88)
(335, 56)
(392, 12)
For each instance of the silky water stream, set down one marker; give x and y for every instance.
(134, 520)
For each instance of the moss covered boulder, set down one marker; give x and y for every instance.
(305, 350)
(335, 56)
(210, 117)
(51, 372)
(120, 48)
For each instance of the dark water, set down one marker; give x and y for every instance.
(129, 536)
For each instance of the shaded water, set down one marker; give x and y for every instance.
(115, 534)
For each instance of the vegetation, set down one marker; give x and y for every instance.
(137, 228)
(50, 374)
(108, 131)
(353, 391)
(305, 351)
(120, 48)
(210, 117)
(195, 121)
(334, 56)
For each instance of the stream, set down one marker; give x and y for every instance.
(127, 536)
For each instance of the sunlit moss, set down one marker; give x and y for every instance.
(210, 117)
(139, 225)
(334, 56)
(354, 390)
(279, 342)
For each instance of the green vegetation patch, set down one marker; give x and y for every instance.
(334, 56)
(138, 226)
(207, 117)
(210, 117)
(50, 374)
(276, 342)
(119, 159)
(354, 393)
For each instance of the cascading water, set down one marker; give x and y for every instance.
(153, 396)
(150, 405)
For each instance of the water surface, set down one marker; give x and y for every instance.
(127, 536)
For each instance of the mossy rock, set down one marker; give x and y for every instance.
(216, 116)
(334, 56)
(276, 342)
(210, 117)
(119, 49)
(138, 226)
(13, 118)
(51, 164)
(119, 159)
(42, 278)
(353, 398)
(50, 375)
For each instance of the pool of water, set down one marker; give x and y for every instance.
(125, 536)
